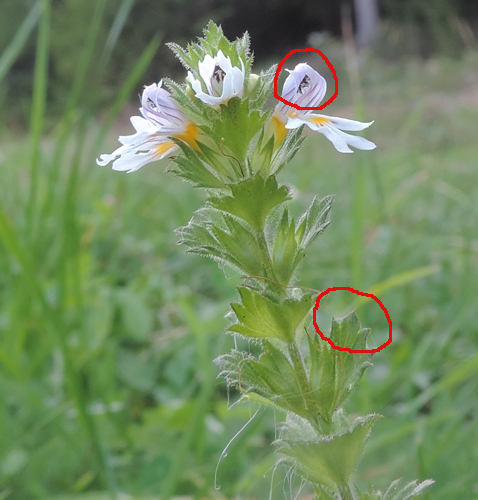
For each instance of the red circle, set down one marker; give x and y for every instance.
(363, 294)
(329, 64)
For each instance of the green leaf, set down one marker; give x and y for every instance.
(347, 333)
(259, 317)
(270, 380)
(261, 157)
(313, 221)
(285, 254)
(219, 236)
(252, 199)
(330, 374)
(181, 95)
(286, 150)
(191, 167)
(335, 373)
(182, 54)
(235, 126)
(329, 461)
(239, 241)
(264, 88)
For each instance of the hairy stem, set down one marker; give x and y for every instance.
(347, 492)
(268, 266)
(314, 414)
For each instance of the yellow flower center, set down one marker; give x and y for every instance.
(280, 131)
(189, 136)
(319, 120)
(163, 148)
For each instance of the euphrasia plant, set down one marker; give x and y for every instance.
(222, 136)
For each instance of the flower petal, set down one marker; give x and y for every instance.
(222, 80)
(304, 86)
(341, 140)
(326, 126)
(338, 141)
(340, 123)
(160, 108)
(238, 80)
(139, 123)
(223, 61)
(295, 123)
(206, 70)
(134, 160)
(228, 88)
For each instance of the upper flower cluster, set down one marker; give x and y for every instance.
(216, 78)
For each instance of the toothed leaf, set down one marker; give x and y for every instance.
(329, 461)
(313, 221)
(252, 199)
(260, 317)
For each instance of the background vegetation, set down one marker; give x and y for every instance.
(410, 28)
(108, 331)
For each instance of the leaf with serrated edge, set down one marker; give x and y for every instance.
(314, 220)
(284, 252)
(260, 317)
(329, 461)
(252, 199)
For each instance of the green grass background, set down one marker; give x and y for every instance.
(108, 330)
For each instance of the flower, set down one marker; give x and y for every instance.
(223, 80)
(162, 120)
(306, 88)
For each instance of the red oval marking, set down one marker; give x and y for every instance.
(329, 64)
(363, 294)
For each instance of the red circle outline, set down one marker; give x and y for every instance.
(363, 294)
(329, 64)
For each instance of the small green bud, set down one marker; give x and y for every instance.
(252, 82)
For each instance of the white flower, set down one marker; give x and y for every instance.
(223, 80)
(306, 88)
(162, 119)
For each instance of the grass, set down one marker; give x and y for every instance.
(108, 330)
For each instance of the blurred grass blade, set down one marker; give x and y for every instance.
(86, 57)
(202, 402)
(40, 77)
(115, 31)
(11, 243)
(11, 53)
(37, 119)
(464, 371)
(396, 281)
(125, 92)
(67, 120)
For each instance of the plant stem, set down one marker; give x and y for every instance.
(311, 406)
(347, 492)
(268, 266)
